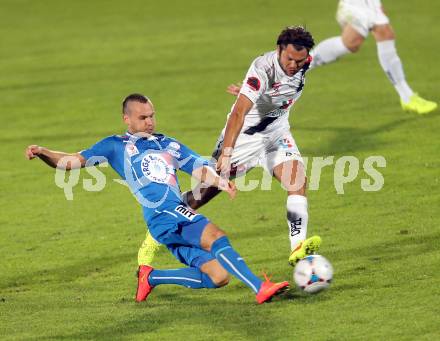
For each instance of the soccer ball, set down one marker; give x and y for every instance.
(313, 274)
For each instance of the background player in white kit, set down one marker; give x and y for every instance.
(357, 18)
(257, 133)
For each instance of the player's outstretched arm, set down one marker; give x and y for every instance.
(233, 127)
(55, 159)
(208, 176)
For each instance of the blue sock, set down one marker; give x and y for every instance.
(222, 250)
(187, 277)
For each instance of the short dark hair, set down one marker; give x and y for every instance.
(298, 36)
(133, 98)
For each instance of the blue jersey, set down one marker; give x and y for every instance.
(148, 165)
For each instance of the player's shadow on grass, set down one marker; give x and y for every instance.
(353, 139)
(191, 309)
(294, 294)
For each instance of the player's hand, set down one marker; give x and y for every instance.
(227, 186)
(234, 89)
(32, 151)
(223, 166)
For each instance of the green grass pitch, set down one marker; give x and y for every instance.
(67, 267)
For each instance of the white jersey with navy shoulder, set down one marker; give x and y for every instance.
(272, 92)
(148, 165)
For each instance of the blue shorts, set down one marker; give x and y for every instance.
(180, 228)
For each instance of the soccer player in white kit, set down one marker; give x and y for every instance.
(357, 18)
(257, 133)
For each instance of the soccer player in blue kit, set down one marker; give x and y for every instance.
(148, 161)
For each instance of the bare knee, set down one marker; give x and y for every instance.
(353, 44)
(300, 191)
(352, 39)
(292, 176)
(210, 234)
(220, 279)
(216, 272)
(383, 33)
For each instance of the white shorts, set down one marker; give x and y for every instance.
(264, 150)
(363, 15)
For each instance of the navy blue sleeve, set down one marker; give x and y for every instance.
(100, 152)
(189, 160)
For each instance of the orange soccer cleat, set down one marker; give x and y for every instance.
(269, 290)
(144, 288)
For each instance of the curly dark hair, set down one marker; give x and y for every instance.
(298, 36)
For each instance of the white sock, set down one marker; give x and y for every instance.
(328, 51)
(297, 218)
(392, 65)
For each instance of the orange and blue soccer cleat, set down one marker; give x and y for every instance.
(269, 290)
(144, 288)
